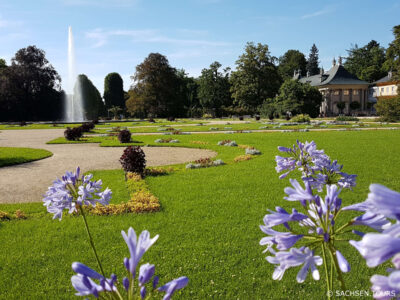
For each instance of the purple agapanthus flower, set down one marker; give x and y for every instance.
(282, 240)
(381, 200)
(281, 216)
(173, 286)
(89, 282)
(377, 248)
(137, 247)
(343, 264)
(377, 222)
(146, 271)
(297, 193)
(84, 282)
(386, 287)
(316, 167)
(74, 189)
(293, 258)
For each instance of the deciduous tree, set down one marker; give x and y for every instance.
(393, 53)
(256, 77)
(214, 88)
(157, 85)
(297, 98)
(289, 62)
(30, 88)
(366, 62)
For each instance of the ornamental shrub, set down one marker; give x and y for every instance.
(73, 134)
(354, 105)
(346, 118)
(388, 109)
(87, 126)
(124, 136)
(133, 160)
(302, 118)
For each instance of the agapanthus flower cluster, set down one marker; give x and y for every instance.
(316, 226)
(316, 167)
(382, 213)
(89, 282)
(74, 189)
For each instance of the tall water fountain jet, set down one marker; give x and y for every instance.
(73, 111)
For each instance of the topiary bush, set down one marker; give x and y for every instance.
(73, 134)
(354, 105)
(133, 160)
(86, 127)
(346, 118)
(124, 136)
(301, 118)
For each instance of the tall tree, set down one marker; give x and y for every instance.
(156, 83)
(30, 88)
(256, 77)
(393, 53)
(366, 62)
(214, 88)
(298, 98)
(312, 61)
(3, 64)
(289, 62)
(93, 105)
(188, 93)
(113, 91)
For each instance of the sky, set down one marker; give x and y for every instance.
(117, 35)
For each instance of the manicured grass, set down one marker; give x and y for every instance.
(100, 125)
(14, 156)
(208, 223)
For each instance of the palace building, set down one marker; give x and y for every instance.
(338, 85)
(385, 87)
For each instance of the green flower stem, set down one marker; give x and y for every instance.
(91, 240)
(344, 226)
(326, 270)
(331, 276)
(339, 272)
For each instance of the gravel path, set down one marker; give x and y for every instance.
(27, 182)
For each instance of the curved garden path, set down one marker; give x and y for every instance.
(29, 181)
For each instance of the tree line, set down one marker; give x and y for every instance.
(30, 88)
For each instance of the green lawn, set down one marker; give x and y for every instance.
(208, 223)
(101, 124)
(14, 156)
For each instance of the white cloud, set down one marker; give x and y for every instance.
(101, 37)
(318, 13)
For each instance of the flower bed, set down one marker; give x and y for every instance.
(204, 163)
(169, 140)
(227, 143)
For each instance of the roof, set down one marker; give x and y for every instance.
(387, 79)
(336, 75)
